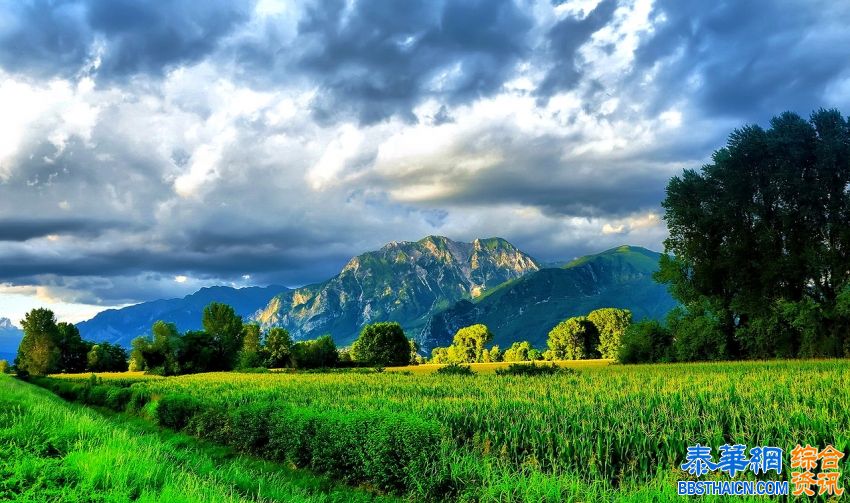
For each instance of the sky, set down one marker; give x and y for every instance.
(148, 149)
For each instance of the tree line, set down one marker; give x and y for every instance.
(224, 343)
(598, 335)
(50, 347)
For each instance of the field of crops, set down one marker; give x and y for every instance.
(597, 433)
(51, 450)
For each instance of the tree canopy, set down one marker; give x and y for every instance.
(573, 339)
(382, 344)
(759, 242)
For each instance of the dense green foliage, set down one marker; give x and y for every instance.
(468, 346)
(224, 328)
(50, 347)
(646, 341)
(573, 339)
(759, 243)
(505, 438)
(55, 451)
(316, 353)
(611, 323)
(106, 357)
(530, 369)
(382, 344)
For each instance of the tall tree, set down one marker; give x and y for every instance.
(759, 239)
(468, 343)
(611, 323)
(573, 339)
(250, 355)
(72, 348)
(382, 344)
(39, 353)
(278, 348)
(224, 328)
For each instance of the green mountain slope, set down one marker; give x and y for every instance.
(528, 307)
(405, 282)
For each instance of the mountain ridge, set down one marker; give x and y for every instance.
(528, 307)
(404, 281)
(431, 287)
(10, 339)
(120, 326)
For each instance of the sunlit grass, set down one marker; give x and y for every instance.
(54, 451)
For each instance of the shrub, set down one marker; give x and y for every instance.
(118, 398)
(455, 369)
(645, 341)
(175, 411)
(96, 395)
(530, 369)
(139, 397)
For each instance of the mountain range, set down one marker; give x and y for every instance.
(10, 339)
(528, 307)
(431, 287)
(120, 326)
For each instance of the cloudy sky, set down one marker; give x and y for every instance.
(150, 148)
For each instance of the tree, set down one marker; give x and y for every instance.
(573, 339)
(518, 352)
(224, 328)
(251, 354)
(382, 344)
(278, 348)
(468, 343)
(496, 353)
(611, 323)
(106, 357)
(439, 355)
(38, 353)
(72, 348)
(644, 342)
(759, 241)
(317, 353)
(196, 353)
(4, 367)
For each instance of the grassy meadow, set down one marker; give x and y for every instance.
(51, 450)
(601, 432)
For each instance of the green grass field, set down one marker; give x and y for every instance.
(603, 432)
(51, 450)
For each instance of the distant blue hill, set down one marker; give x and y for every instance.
(120, 326)
(10, 339)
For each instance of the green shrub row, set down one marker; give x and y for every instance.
(397, 453)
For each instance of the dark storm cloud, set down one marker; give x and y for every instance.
(378, 58)
(108, 190)
(57, 38)
(751, 59)
(563, 41)
(22, 229)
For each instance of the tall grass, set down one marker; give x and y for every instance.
(54, 451)
(600, 433)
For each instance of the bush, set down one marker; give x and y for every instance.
(139, 397)
(118, 398)
(530, 369)
(455, 369)
(175, 411)
(96, 395)
(645, 341)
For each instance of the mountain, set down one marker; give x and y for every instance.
(405, 282)
(10, 339)
(528, 307)
(123, 325)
